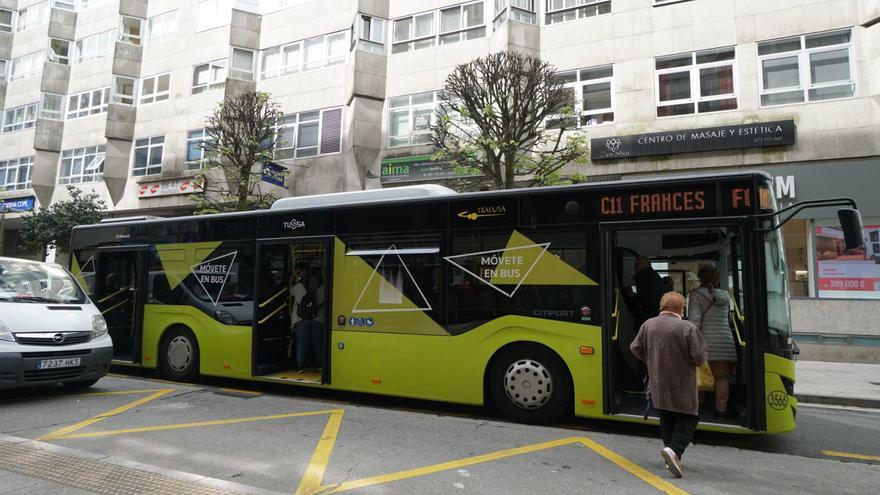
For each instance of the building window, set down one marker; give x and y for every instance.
(413, 33)
(59, 51)
(34, 14)
(515, 10)
(592, 94)
(68, 5)
(410, 117)
(15, 174)
(814, 67)
(161, 27)
(568, 10)
(310, 54)
(18, 118)
(88, 103)
(697, 82)
(155, 88)
(3, 64)
(196, 154)
(242, 66)
(6, 17)
(52, 106)
(309, 134)
(369, 33)
(82, 165)
(462, 22)
(214, 13)
(124, 89)
(130, 30)
(28, 65)
(148, 156)
(210, 76)
(96, 46)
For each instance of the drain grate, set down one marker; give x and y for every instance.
(94, 476)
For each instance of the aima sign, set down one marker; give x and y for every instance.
(785, 187)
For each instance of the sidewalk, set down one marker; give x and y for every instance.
(842, 384)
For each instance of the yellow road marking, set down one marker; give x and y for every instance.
(633, 468)
(311, 481)
(849, 455)
(118, 392)
(82, 424)
(179, 426)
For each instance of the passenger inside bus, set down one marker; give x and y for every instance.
(706, 266)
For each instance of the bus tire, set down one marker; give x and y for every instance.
(530, 384)
(179, 355)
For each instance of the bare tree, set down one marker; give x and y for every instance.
(239, 137)
(506, 120)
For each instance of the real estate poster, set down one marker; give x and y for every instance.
(849, 274)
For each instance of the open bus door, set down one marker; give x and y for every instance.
(281, 264)
(120, 291)
(678, 247)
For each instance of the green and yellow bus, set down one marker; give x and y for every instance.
(519, 298)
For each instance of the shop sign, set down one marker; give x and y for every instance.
(273, 174)
(757, 135)
(850, 274)
(16, 205)
(415, 169)
(183, 185)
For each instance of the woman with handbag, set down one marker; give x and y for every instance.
(709, 310)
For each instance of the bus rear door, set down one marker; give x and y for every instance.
(120, 294)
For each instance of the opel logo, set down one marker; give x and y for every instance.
(58, 338)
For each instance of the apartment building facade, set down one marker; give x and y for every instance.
(111, 95)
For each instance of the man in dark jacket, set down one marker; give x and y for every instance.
(672, 349)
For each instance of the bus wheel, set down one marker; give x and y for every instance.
(529, 384)
(179, 355)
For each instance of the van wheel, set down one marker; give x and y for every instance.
(179, 355)
(529, 384)
(80, 384)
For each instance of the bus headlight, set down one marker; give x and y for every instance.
(5, 333)
(225, 317)
(99, 326)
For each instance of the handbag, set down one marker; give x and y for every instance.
(705, 378)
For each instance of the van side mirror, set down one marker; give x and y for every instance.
(851, 224)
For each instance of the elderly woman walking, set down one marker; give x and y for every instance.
(709, 310)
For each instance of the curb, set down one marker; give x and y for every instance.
(838, 401)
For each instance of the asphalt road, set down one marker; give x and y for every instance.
(242, 438)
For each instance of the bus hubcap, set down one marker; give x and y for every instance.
(179, 354)
(528, 384)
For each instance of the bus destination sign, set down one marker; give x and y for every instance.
(674, 203)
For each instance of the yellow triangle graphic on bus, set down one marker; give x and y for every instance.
(178, 259)
(548, 269)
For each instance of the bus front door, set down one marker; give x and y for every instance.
(641, 264)
(292, 343)
(119, 294)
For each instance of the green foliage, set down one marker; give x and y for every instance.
(51, 227)
(507, 120)
(239, 137)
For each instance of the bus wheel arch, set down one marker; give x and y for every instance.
(549, 383)
(179, 353)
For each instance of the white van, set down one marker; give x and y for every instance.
(50, 332)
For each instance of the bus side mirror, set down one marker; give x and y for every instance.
(851, 224)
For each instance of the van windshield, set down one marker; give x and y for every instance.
(29, 282)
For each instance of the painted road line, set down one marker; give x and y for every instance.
(637, 471)
(179, 426)
(850, 455)
(113, 412)
(633, 468)
(118, 392)
(311, 481)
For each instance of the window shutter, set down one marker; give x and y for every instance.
(331, 131)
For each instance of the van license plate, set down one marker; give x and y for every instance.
(58, 363)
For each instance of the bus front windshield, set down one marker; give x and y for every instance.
(29, 282)
(778, 315)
